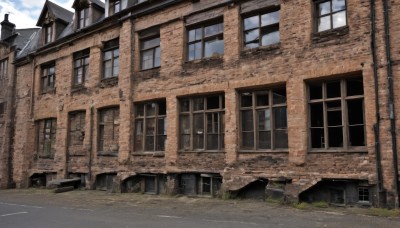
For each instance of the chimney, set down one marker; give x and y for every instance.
(7, 28)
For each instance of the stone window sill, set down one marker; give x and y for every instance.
(108, 82)
(204, 62)
(248, 52)
(107, 153)
(318, 37)
(242, 151)
(200, 151)
(78, 88)
(340, 150)
(152, 154)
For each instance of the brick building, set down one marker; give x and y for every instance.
(255, 98)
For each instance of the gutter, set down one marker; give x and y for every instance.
(391, 101)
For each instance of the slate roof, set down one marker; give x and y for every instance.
(23, 36)
(58, 12)
(31, 45)
(99, 3)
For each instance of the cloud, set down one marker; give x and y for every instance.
(25, 13)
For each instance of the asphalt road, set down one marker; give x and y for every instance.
(41, 208)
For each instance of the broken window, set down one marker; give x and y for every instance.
(206, 41)
(150, 52)
(48, 33)
(48, 78)
(105, 182)
(46, 137)
(150, 126)
(261, 29)
(3, 71)
(150, 184)
(81, 66)
(263, 119)
(363, 194)
(76, 132)
(114, 6)
(330, 14)
(337, 114)
(210, 184)
(108, 130)
(111, 59)
(83, 16)
(202, 123)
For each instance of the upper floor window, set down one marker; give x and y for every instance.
(3, 70)
(150, 53)
(150, 126)
(337, 114)
(202, 123)
(263, 116)
(261, 29)
(330, 14)
(114, 7)
(48, 78)
(83, 16)
(111, 59)
(48, 31)
(47, 138)
(206, 41)
(81, 66)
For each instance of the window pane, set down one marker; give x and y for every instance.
(185, 132)
(107, 55)
(280, 117)
(246, 100)
(198, 103)
(354, 87)
(195, 51)
(151, 43)
(324, 23)
(335, 118)
(248, 140)
(213, 29)
(315, 92)
(251, 22)
(272, 37)
(317, 138)
(324, 8)
(317, 115)
(147, 59)
(162, 108)
(333, 89)
(355, 111)
(107, 69)
(279, 96)
(270, 18)
(264, 119)
(161, 143)
(335, 136)
(213, 102)
(212, 123)
(139, 135)
(264, 139)
(151, 109)
(198, 131)
(339, 19)
(252, 37)
(338, 5)
(161, 125)
(281, 139)
(78, 63)
(192, 35)
(199, 33)
(116, 67)
(262, 98)
(139, 110)
(357, 137)
(185, 106)
(247, 120)
(157, 57)
(213, 48)
(212, 142)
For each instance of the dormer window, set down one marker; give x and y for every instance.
(115, 7)
(48, 30)
(83, 16)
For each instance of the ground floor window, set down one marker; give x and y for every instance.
(108, 130)
(46, 137)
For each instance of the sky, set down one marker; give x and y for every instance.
(25, 13)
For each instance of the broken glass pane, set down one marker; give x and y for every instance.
(333, 89)
(355, 112)
(357, 136)
(252, 38)
(317, 115)
(335, 136)
(317, 138)
(264, 139)
(262, 98)
(251, 22)
(185, 106)
(279, 96)
(354, 87)
(213, 102)
(162, 109)
(315, 92)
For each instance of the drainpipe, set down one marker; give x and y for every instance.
(378, 116)
(91, 143)
(391, 100)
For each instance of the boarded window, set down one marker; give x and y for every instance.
(206, 41)
(202, 123)
(76, 133)
(108, 130)
(337, 114)
(150, 126)
(46, 138)
(111, 59)
(263, 119)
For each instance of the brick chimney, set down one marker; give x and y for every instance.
(7, 28)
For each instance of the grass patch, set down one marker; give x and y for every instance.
(274, 201)
(320, 204)
(301, 206)
(383, 212)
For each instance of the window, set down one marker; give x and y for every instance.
(150, 53)
(330, 14)
(363, 194)
(76, 132)
(3, 70)
(115, 7)
(111, 59)
(202, 123)
(263, 117)
(81, 66)
(83, 16)
(337, 114)
(261, 29)
(48, 30)
(150, 126)
(108, 130)
(2, 108)
(47, 138)
(48, 78)
(206, 41)
(210, 184)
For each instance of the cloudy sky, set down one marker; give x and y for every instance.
(25, 13)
